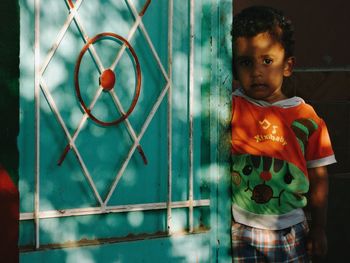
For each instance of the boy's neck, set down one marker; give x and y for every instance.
(275, 98)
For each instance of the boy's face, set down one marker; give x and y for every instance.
(261, 65)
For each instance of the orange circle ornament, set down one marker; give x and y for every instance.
(107, 78)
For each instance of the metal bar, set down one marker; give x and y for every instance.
(112, 209)
(149, 41)
(58, 40)
(73, 10)
(37, 77)
(130, 35)
(80, 126)
(191, 101)
(335, 69)
(170, 117)
(142, 12)
(56, 112)
(113, 240)
(85, 37)
(126, 121)
(143, 129)
(131, 32)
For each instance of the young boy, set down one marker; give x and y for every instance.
(280, 148)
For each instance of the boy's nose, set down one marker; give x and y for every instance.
(256, 70)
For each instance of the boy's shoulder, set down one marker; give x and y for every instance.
(307, 110)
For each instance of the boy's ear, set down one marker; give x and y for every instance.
(289, 66)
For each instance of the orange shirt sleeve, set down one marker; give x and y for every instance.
(319, 144)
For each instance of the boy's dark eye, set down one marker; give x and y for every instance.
(267, 61)
(244, 63)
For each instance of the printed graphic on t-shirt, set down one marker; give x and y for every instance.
(303, 129)
(270, 133)
(265, 185)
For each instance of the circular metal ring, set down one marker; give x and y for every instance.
(97, 38)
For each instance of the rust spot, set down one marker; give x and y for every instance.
(144, 8)
(93, 242)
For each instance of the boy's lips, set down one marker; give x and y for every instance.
(258, 86)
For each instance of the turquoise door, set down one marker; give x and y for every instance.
(123, 109)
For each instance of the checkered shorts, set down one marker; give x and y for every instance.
(261, 245)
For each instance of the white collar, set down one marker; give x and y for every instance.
(286, 103)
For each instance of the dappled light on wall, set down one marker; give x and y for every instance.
(115, 100)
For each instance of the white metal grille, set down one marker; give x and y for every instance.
(166, 90)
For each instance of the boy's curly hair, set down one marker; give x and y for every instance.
(258, 19)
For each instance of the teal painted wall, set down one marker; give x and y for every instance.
(104, 149)
(174, 249)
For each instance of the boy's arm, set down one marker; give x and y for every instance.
(318, 200)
